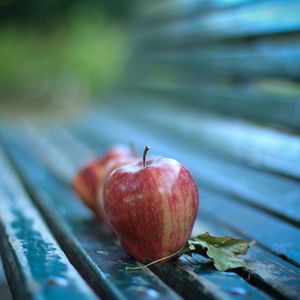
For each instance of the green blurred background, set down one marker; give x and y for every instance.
(59, 55)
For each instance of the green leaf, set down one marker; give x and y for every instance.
(223, 251)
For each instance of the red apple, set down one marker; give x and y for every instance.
(151, 205)
(91, 177)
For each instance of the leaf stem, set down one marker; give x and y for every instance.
(180, 251)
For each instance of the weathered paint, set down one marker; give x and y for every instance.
(36, 266)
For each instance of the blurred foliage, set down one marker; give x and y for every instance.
(52, 12)
(54, 50)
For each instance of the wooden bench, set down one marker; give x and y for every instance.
(213, 84)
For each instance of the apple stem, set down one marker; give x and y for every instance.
(147, 148)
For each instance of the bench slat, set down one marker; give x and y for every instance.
(282, 110)
(255, 145)
(89, 246)
(265, 230)
(36, 267)
(64, 166)
(255, 19)
(191, 286)
(274, 57)
(155, 13)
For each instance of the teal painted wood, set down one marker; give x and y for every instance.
(35, 265)
(89, 246)
(267, 270)
(68, 170)
(162, 11)
(64, 166)
(188, 278)
(269, 57)
(254, 19)
(277, 236)
(278, 275)
(78, 153)
(255, 145)
(5, 293)
(219, 98)
(51, 140)
(248, 185)
(200, 280)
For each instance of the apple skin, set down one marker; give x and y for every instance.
(151, 208)
(91, 177)
(110, 167)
